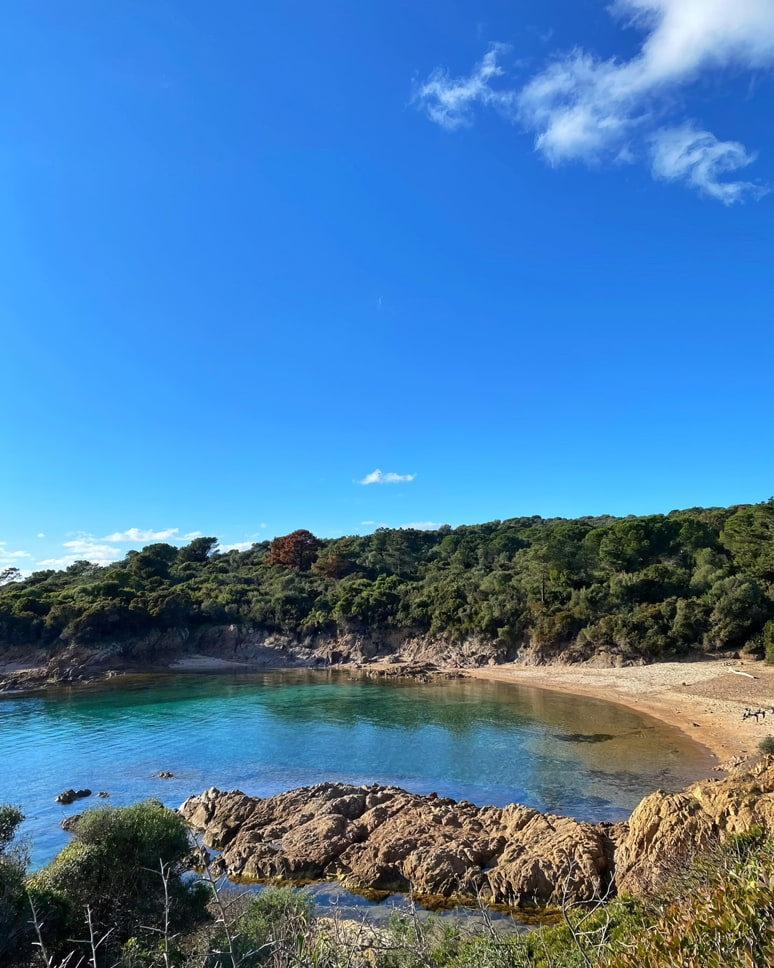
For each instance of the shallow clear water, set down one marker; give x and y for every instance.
(264, 733)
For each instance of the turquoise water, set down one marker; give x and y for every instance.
(264, 733)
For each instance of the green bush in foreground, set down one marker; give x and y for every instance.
(15, 933)
(120, 878)
(718, 914)
(275, 925)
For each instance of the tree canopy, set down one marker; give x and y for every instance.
(644, 586)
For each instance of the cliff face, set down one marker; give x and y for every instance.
(254, 647)
(385, 839)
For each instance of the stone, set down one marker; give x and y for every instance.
(67, 796)
(665, 829)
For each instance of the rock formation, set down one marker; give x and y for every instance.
(67, 796)
(665, 829)
(384, 839)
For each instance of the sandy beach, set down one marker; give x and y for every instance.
(704, 699)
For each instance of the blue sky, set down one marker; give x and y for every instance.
(268, 266)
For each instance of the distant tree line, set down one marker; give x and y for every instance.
(644, 586)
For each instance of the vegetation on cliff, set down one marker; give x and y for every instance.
(640, 586)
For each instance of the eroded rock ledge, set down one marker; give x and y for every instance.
(384, 839)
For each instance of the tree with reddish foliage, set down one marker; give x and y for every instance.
(295, 550)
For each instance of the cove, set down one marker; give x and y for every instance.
(263, 733)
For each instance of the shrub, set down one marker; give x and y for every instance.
(125, 866)
(274, 927)
(719, 914)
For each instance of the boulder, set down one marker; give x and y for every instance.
(382, 838)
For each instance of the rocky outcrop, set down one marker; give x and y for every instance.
(668, 828)
(68, 796)
(386, 839)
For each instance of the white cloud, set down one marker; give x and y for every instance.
(236, 546)
(40, 535)
(699, 159)
(56, 563)
(422, 525)
(106, 550)
(87, 548)
(83, 548)
(449, 100)
(143, 534)
(380, 477)
(11, 557)
(583, 108)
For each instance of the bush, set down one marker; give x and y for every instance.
(275, 926)
(125, 867)
(14, 907)
(766, 745)
(719, 914)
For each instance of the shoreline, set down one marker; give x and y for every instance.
(703, 699)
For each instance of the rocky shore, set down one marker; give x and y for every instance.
(230, 648)
(384, 839)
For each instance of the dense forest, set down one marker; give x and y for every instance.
(640, 586)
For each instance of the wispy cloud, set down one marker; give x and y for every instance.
(144, 534)
(449, 101)
(106, 550)
(380, 477)
(84, 548)
(12, 557)
(422, 525)
(700, 160)
(584, 108)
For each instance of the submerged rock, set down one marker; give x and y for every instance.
(386, 839)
